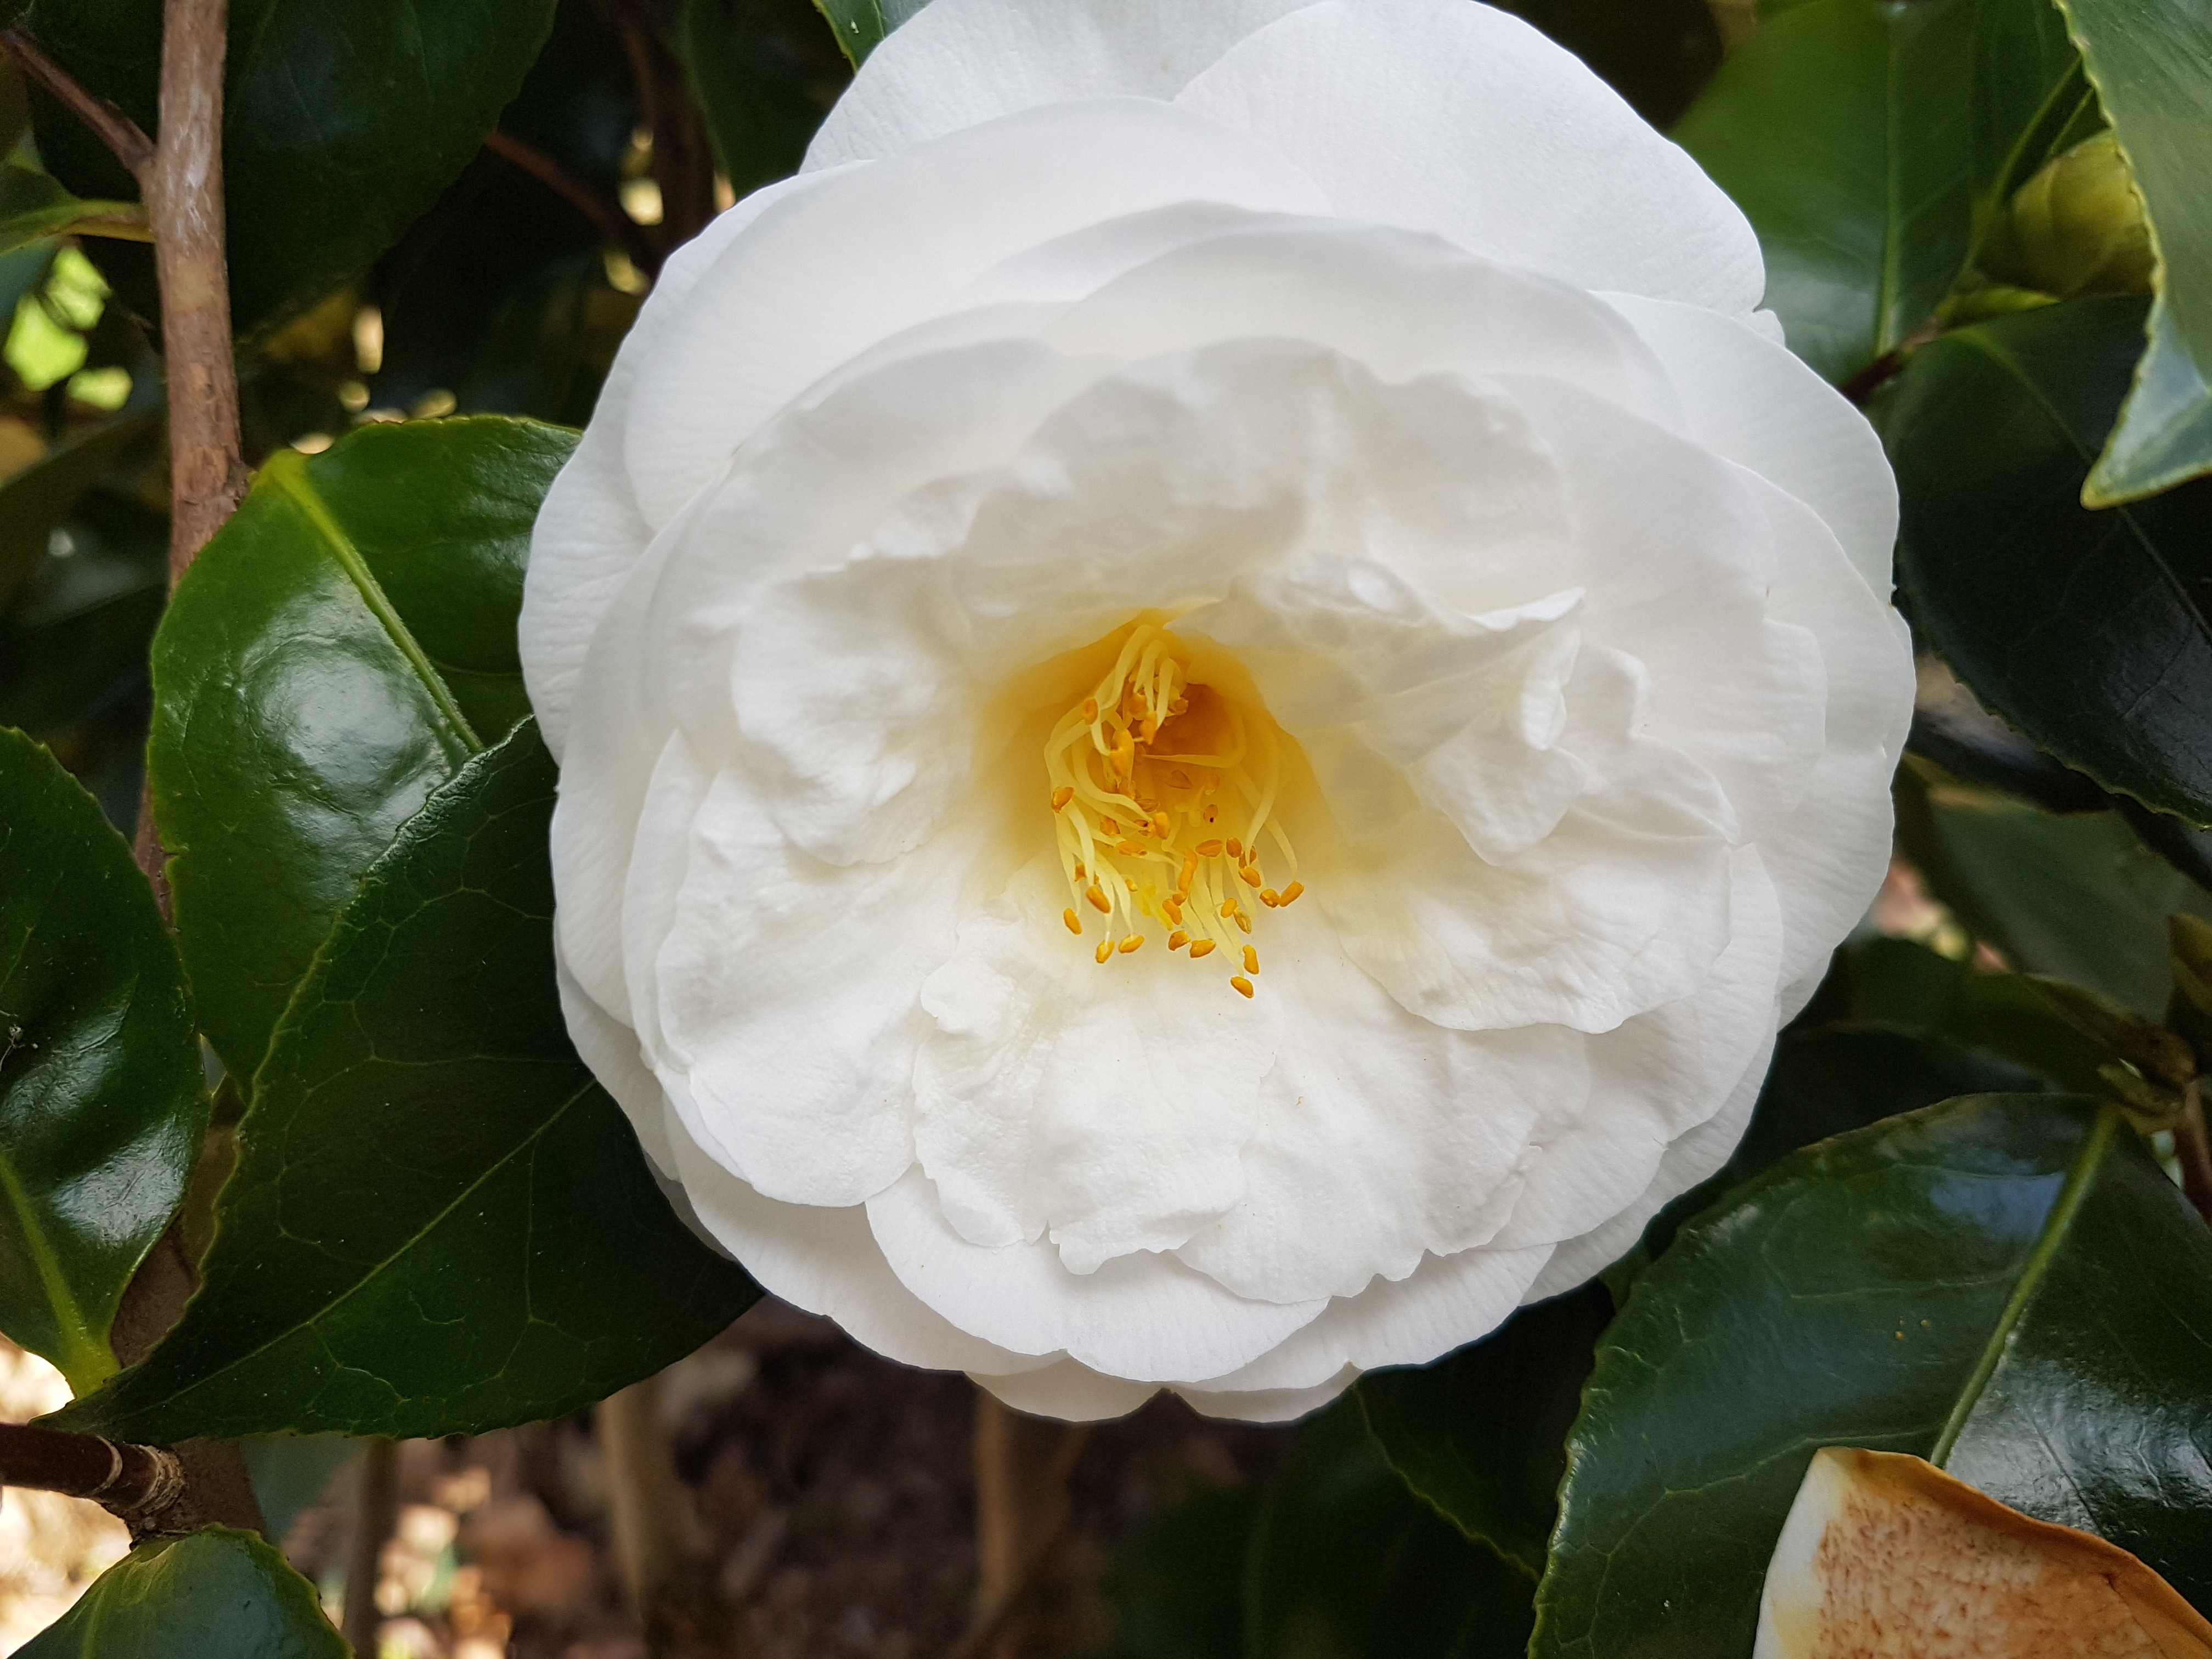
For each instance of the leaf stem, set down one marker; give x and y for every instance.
(109, 124)
(2080, 1178)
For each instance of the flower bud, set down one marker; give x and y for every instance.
(2076, 227)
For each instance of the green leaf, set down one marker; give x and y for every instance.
(1921, 1285)
(763, 84)
(102, 1104)
(34, 502)
(2086, 630)
(1482, 1434)
(289, 1471)
(2077, 897)
(339, 128)
(1346, 1562)
(34, 205)
(74, 644)
(1986, 1018)
(2152, 68)
(862, 25)
(440, 1224)
(210, 1592)
(1860, 138)
(340, 649)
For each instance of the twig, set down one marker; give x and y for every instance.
(1022, 1511)
(607, 215)
(375, 1512)
(682, 158)
(108, 124)
(657, 1545)
(125, 1478)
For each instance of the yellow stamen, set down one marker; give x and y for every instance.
(1110, 826)
(1251, 874)
(1244, 984)
(1062, 795)
(1208, 849)
(1243, 921)
(1270, 898)
(1075, 922)
(1161, 826)
(1105, 950)
(1177, 939)
(1251, 960)
(1089, 710)
(1129, 849)
(1130, 943)
(1291, 893)
(1201, 947)
(1228, 909)
(1236, 848)
(1097, 898)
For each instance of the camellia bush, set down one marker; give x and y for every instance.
(1491, 729)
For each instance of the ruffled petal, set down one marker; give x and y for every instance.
(1144, 1317)
(1752, 401)
(827, 272)
(1443, 116)
(1109, 1104)
(1067, 1391)
(957, 63)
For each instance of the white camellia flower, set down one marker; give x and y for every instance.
(1212, 687)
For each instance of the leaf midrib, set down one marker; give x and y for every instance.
(2081, 1177)
(288, 471)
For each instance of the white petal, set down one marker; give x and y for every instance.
(1268, 1405)
(1067, 1391)
(1751, 400)
(826, 1261)
(957, 63)
(1445, 1303)
(1144, 1317)
(589, 532)
(1109, 1104)
(825, 273)
(1443, 116)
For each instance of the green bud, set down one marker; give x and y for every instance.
(2076, 227)
(2163, 1059)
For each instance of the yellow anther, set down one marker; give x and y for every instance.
(1251, 874)
(1179, 705)
(1097, 898)
(1177, 939)
(1189, 869)
(1125, 754)
(1208, 849)
(1236, 848)
(1075, 922)
(1129, 849)
(1130, 943)
(1079, 869)
(1062, 795)
(1228, 909)
(1291, 893)
(1161, 827)
(1251, 959)
(1200, 948)
(1270, 898)
(1179, 778)
(1089, 710)
(1173, 905)
(1211, 812)
(1105, 950)
(1110, 826)
(1244, 984)
(1243, 921)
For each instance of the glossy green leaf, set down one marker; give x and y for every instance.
(1860, 137)
(1987, 1019)
(764, 73)
(34, 502)
(2086, 629)
(1346, 1562)
(1482, 1434)
(211, 1592)
(1921, 1285)
(340, 126)
(102, 1104)
(33, 204)
(440, 1222)
(2152, 65)
(335, 654)
(2076, 896)
(862, 25)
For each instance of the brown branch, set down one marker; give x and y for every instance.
(125, 1478)
(375, 1512)
(683, 157)
(108, 124)
(1022, 1511)
(604, 213)
(2191, 1151)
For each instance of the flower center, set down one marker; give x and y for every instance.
(1162, 788)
